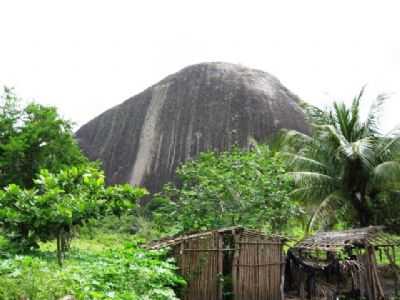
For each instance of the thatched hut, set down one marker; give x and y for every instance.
(340, 263)
(230, 263)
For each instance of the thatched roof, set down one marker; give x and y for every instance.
(177, 239)
(337, 240)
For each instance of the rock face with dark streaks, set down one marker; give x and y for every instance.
(209, 106)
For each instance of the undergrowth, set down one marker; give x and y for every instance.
(104, 266)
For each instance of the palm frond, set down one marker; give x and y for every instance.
(362, 149)
(387, 173)
(293, 134)
(311, 195)
(325, 131)
(300, 162)
(300, 192)
(371, 125)
(291, 141)
(348, 119)
(358, 98)
(342, 116)
(389, 145)
(316, 115)
(354, 122)
(303, 178)
(324, 210)
(344, 155)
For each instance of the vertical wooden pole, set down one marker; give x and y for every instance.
(59, 255)
(257, 268)
(396, 283)
(220, 265)
(282, 271)
(235, 262)
(184, 269)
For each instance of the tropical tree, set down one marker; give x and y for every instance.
(33, 137)
(59, 202)
(347, 167)
(239, 187)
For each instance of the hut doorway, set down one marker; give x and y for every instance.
(229, 264)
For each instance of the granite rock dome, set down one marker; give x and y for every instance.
(208, 106)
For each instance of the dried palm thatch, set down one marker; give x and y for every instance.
(334, 263)
(338, 240)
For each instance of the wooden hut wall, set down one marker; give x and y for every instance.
(257, 267)
(254, 261)
(371, 278)
(200, 262)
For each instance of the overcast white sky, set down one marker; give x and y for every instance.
(87, 56)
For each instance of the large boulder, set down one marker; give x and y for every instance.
(209, 106)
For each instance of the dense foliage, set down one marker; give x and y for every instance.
(347, 170)
(59, 202)
(240, 187)
(121, 273)
(33, 137)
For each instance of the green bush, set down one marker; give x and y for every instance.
(129, 273)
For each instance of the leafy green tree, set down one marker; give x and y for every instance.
(59, 202)
(240, 187)
(33, 137)
(347, 167)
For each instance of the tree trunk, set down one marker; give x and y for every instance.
(361, 206)
(59, 249)
(364, 218)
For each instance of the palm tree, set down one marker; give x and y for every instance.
(345, 164)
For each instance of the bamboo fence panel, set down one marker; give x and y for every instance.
(257, 268)
(200, 263)
(256, 262)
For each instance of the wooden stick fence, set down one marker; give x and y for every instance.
(252, 261)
